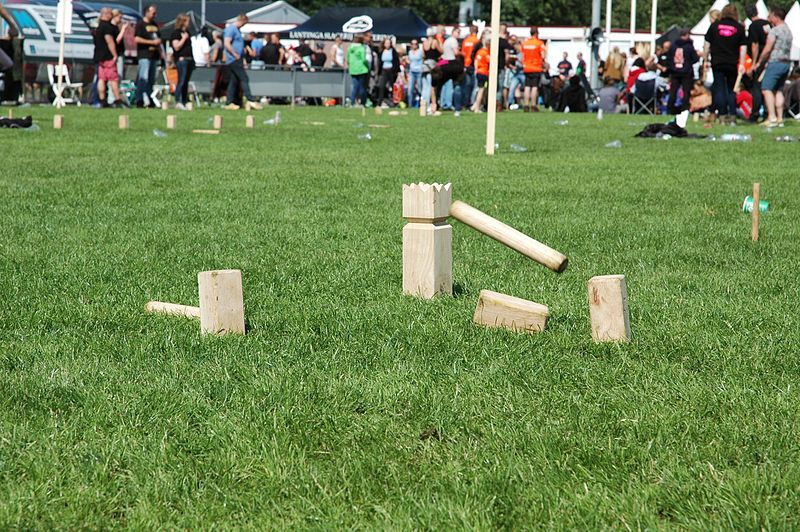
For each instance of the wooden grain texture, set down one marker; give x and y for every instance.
(221, 302)
(756, 211)
(427, 240)
(172, 121)
(217, 121)
(160, 307)
(608, 309)
(500, 310)
(58, 121)
(206, 131)
(124, 122)
(509, 236)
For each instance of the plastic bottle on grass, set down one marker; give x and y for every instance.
(158, 133)
(518, 148)
(614, 144)
(735, 137)
(365, 136)
(786, 138)
(561, 122)
(34, 128)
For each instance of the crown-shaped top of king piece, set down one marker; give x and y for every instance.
(423, 201)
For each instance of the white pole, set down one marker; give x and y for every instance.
(608, 27)
(203, 13)
(491, 105)
(59, 101)
(653, 17)
(633, 23)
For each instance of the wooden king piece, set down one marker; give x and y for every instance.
(427, 240)
(608, 309)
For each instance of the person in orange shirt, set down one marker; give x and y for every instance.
(481, 63)
(533, 53)
(467, 49)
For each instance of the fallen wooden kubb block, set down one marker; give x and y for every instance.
(221, 309)
(206, 131)
(608, 309)
(172, 121)
(58, 121)
(427, 240)
(500, 310)
(509, 236)
(250, 121)
(217, 121)
(124, 122)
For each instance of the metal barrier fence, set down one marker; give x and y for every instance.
(331, 83)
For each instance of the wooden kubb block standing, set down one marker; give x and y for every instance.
(250, 122)
(221, 309)
(172, 121)
(427, 240)
(124, 122)
(217, 121)
(608, 309)
(58, 121)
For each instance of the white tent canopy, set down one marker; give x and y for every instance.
(793, 21)
(275, 17)
(702, 27)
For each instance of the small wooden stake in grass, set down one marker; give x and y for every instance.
(10, 114)
(124, 122)
(217, 121)
(427, 240)
(58, 121)
(422, 109)
(221, 302)
(509, 236)
(500, 310)
(249, 122)
(756, 210)
(608, 309)
(363, 111)
(378, 110)
(172, 121)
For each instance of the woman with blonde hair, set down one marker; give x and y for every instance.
(184, 59)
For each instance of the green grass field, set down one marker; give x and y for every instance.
(320, 416)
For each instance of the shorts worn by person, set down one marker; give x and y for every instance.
(779, 58)
(533, 54)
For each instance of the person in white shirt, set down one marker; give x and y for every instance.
(200, 49)
(450, 48)
(337, 53)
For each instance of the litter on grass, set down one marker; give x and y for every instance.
(614, 144)
(158, 133)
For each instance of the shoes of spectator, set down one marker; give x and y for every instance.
(513, 107)
(437, 113)
(180, 107)
(231, 107)
(140, 105)
(457, 113)
(253, 105)
(97, 105)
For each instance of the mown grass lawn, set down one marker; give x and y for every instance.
(348, 405)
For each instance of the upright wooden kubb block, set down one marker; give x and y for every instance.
(165, 105)
(124, 122)
(608, 309)
(58, 121)
(217, 121)
(250, 122)
(500, 310)
(189, 106)
(221, 302)
(427, 240)
(172, 121)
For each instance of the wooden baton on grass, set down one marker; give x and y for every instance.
(508, 236)
(173, 309)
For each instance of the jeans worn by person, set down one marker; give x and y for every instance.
(722, 94)
(427, 88)
(358, 91)
(414, 86)
(185, 69)
(238, 78)
(468, 88)
(446, 95)
(517, 81)
(145, 78)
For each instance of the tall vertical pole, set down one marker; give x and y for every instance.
(491, 105)
(608, 27)
(203, 14)
(62, 5)
(653, 18)
(633, 23)
(594, 60)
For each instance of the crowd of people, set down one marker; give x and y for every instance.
(738, 73)
(748, 71)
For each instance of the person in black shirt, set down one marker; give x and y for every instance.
(272, 53)
(318, 58)
(726, 41)
(756, 39)
(184, 59)
(663, 59)
(148, 47)
(105, 57)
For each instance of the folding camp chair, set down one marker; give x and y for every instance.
(70, 93)
(644, 98)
